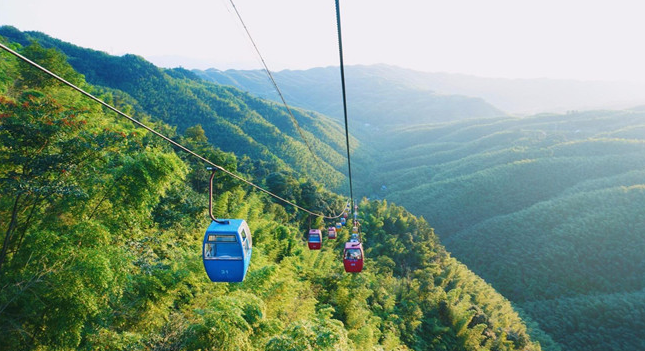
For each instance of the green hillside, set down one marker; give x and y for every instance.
(545, 208)
(548, 209)
(234, 121)
(376, 100)
(102, 227)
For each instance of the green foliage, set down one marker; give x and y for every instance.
(102, 229)
(323, 334)
(545, 208)
(226, 323)
(50, 58)
(232, 120)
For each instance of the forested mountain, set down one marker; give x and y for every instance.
(548, 209)
(375, 98)
(234, 121)
(423, 97)
(102, 227)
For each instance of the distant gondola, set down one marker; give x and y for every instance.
(331, 233)
(343, 221)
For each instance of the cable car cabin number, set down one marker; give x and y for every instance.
(227, 250)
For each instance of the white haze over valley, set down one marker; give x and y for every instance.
(547, 55)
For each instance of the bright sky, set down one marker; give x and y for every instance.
(579, 39)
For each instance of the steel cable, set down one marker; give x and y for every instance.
(174, 143)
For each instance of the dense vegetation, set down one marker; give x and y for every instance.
(548, 209)
(235, 121)
(102, 225)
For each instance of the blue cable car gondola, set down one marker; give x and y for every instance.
(343, 221)
(227, 250)
(227, 246)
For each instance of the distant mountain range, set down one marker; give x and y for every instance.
(407, 94)
(547, 208)
(374, 98)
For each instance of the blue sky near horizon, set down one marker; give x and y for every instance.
(574, 39)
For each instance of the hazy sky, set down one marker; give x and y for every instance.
(580, 39)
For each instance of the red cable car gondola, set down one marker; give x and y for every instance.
(315, 239)
(353, 257)
(331, 233)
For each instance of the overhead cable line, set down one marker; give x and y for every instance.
(275, 85)
(174, 143)
(342, 80)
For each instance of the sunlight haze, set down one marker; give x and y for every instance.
(585, 40)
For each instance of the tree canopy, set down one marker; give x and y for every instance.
(102, 225)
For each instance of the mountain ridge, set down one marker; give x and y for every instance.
(319, 89)
(517, 96)
(178, 97)
(484, 175)
(110, 231)
(545, 208)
